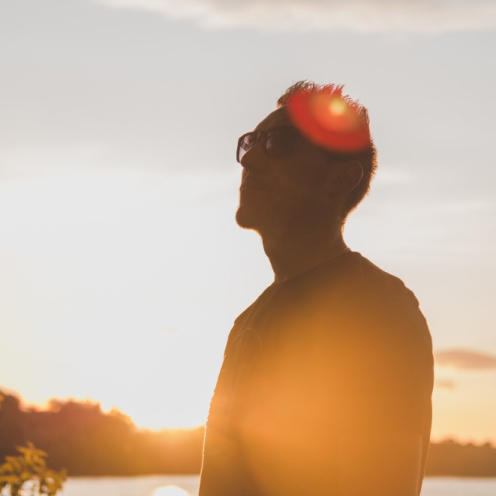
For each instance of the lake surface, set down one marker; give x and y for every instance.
(165, 485)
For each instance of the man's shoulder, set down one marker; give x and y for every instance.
(352, 280)
(366, 299)
(366, 271)
(348, 281)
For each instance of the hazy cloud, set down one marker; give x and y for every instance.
(426, 16)
(445, 384)
(465, 359)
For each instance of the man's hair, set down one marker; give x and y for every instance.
(366, 157)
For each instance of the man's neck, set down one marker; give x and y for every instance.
(292, 253)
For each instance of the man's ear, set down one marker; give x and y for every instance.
(345, 177)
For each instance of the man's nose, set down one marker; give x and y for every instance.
(254, 158)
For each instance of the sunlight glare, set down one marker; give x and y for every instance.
(169, 491)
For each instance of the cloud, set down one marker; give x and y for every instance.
(425, 16)
(445, 384)
(465, 359)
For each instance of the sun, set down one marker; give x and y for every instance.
(169, 491)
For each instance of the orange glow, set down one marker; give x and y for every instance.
(337, 106)
(329, 120)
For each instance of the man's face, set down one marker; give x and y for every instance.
(280, 193)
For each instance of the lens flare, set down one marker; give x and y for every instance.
(337, 106)
(330, 120)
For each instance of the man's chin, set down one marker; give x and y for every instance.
(246, 219)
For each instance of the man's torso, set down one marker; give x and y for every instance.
(342, 346)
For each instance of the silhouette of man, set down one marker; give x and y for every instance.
(326, 383)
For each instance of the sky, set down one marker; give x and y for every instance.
(122, 268)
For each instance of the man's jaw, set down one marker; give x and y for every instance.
(247, 219)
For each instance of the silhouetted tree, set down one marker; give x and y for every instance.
(80, 437)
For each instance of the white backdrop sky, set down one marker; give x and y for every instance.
(121, 266)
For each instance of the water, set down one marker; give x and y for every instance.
(178, 485)
(453, 486)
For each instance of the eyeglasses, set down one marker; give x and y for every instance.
(276, 142)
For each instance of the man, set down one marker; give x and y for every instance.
(326, 383)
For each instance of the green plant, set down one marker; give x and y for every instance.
(28, 475)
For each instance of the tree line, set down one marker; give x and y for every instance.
(84, 440)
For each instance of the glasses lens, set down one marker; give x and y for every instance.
(245, 143)
(278, 142)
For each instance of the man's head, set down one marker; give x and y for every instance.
(291, 179)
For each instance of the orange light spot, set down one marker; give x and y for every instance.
(337, 106)
(327, 119)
